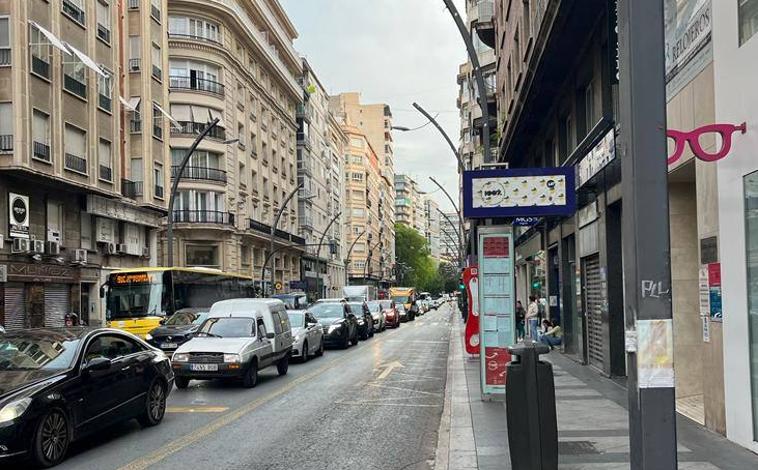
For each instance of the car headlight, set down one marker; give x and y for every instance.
(180, 357)
(148, 337)
(232, 358)
(360, 321)
(333, 328)
(14, 409)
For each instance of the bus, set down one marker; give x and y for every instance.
(138, 299)
(403, 295)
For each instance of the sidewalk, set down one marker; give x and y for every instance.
(592, 423)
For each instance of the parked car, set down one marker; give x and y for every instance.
(58, 385)
(364, 319)
(239, 338)
(340, 325)
(390, 312)
(2, 329)
(177, 329)
(402, 313)
(330, 300)
(378, 314)
(308, 335)
(293, 300)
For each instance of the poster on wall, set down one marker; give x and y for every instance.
(18, 221)
(714, 292)
(655, 353)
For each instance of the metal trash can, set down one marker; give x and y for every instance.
(530, 409)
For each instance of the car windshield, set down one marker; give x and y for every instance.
(374, 306)
(289, 300)
(400, 307)
(186, 318)
(400, 298)
(386, 304)
(19, 351)
(356, 307)
(229, 327)
(326, 310)
(297, 319)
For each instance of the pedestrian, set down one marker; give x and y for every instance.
(520, 319)
(553, 334)
(532, 317)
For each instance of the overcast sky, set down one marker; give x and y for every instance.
(394, 52)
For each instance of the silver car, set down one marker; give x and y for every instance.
(377, 314)
(307, 334)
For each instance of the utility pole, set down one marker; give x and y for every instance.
(318, 252)
(349, 252)
(272, 241)
(647, 257)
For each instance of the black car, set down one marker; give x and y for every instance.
(340, 325)
(177, 329)
(364, 319)
(58, 385)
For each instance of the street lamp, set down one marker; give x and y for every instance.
(175, 187)
(347, 258)
(460, 240)
(368, 258)
(273, 238)
(461, 231)
(318, 251)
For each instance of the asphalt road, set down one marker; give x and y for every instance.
(374, 406)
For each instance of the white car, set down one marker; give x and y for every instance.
(307, 334)
(377, 314)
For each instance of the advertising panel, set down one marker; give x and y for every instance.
(471, 283)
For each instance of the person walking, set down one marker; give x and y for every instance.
(520, 319)
(532, 317)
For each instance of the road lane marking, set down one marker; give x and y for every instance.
(389, 368)
(404, 389)
(408, 405)
(196, 409)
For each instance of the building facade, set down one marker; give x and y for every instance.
(234, 61)
(320, 166)
(409, 204)
(83, 148)
(432, 227)
(449, 242)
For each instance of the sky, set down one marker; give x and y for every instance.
(394, 52)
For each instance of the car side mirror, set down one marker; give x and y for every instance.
(270, 335)
(102, 292)
(162, 321)
(98, 364)
(310, 324)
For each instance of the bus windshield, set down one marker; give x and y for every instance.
(134, 296)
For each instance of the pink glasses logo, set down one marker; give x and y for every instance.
(681, 139)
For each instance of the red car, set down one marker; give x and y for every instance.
(391, 315)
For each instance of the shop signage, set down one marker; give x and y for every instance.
(597, 159)
(523, 192)
(297, 285)
(682, 139)
(709, 288)
(18, 206)
(526, 221)
(688, 28)
(471, 284)
(39, 272)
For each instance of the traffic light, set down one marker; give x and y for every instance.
(537, 285)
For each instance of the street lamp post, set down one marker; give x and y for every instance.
(347, 258)
(461, 261)
(461, 231)
(368, 258)
(273, 239)
(318, 251)
(461, 166)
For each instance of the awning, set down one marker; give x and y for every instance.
(170, 118)
(54, 41)
(132, 104)
(216, 114)
(86, 60)
(181, 112)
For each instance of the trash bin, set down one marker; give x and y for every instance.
(530, 409)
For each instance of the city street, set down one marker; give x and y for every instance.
(374, 406)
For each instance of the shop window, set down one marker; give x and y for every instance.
(751, 246)
(748, 19)
(203, 256)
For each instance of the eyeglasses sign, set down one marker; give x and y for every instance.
(681, 139)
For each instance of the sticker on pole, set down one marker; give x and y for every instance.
(655, 353)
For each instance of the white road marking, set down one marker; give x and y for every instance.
(389, 368)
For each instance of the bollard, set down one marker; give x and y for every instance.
(530, 409)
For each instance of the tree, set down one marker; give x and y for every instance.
(417, 268)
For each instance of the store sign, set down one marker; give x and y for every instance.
(520, 192)
(471, 284)
(688, 28)
(18, 206)
(597, 159)
(526, 221)
(683, 139)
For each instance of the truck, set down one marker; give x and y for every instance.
(359, 293)
(407, 297)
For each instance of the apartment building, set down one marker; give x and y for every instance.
(320, 166)
(375, 122)
(234, 61)
(410, 208)
(432, 226)
(449, 232)
(83, 148)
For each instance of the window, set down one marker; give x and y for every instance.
(196, 28)
(39, 48)
(155, 10)
(135, 53)
(195, 75)
(241, 134)
(157, 60)
(136, 174)
(40, 135)
(5, 41)
(55, 223)
(74, 9)
(157, 122)
(356, 159)
(75, 149)
(358, 212)
(589, 107)
(104, 160)
(103, 20)
(356, 176)
(158, 180)
(104, 90)
(111, 347)
(74, 75)
(751, 247)
(748, 19)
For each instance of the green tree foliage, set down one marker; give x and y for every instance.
(416, 266)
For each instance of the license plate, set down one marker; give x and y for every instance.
(204, 367)
(169, 345)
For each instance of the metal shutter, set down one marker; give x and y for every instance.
(593, 307)
(56, 304)
(15, 306)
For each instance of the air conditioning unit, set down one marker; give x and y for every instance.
(145, 252)
(110, 248)
(21, 245)
(53, 236)
(53, 248)
(80, 256)
(39, 246)
(122, 248)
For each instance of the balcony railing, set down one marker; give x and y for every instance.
(6, 143)
(158, 191)
(106, 173)
(305, 166)
(306, 222)
(105, 102)
(73, 11)
(39, 66)
(203, 217)
(195, 128)
(135, 65)
(200, 173)
(196, 84)
(74, 86)
(135, 126)
(266, 230)
(131, 189)
(41, 151)
(75, 163)
(193, 37)
(133, 4)
(5, 56)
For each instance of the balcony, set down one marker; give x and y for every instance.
(188, 128)
(306, 222)
(303, 140)
(41, 151)
(133, 4)
(203, 217)
(483, 18)
(135, 126)
(74, 86)
(193, 37)
(39, 66)
(135, 65)
(106, 173)
(200, 173)
(76, 13)
(195, 84)
(131, 189)
(305, 166)
(6, 143)
(265, 229)
(75, 163)
(304, 111)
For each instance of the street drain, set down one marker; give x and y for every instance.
(576, 448)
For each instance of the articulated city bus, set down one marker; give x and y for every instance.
(137, 299)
